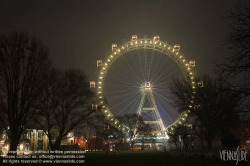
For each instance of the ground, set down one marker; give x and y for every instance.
(146, 158)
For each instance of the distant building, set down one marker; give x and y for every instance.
(33, 140)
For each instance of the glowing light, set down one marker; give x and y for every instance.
(180, 56)
(105, 111)
(200, 84)
(108, 60)
(99, 63)
(92, 84)
(164, 45)
(100, 77)
(177, 47)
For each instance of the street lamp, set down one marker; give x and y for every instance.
(87, 144)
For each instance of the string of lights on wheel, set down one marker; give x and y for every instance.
(143, 43)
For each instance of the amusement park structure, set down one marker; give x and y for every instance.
(147, 106)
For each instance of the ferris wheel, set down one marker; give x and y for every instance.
(134, 79)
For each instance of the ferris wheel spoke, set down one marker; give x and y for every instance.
(167, 116)
(156, 65)
(123, 91)
(163, 82)
(148, 58)
(165, 113)
(161, 75)
(163, 100)
(124, 73)
(127, 105)
(123, 101)
(138, 66)
(123, 95)
(160, 70)
(124, 80)
(130, 70)
(166, 91)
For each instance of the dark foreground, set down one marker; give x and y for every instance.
(146, 158)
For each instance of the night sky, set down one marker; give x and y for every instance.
(79, 32)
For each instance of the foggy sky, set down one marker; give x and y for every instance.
(79, 32)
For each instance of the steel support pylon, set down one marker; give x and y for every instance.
(149, 111)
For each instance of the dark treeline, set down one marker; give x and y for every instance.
(33, 94)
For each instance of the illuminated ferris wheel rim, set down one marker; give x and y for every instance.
(136, 44)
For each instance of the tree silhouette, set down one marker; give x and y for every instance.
(65, 104)
(236, 68)
(213, 106)
(24, 64)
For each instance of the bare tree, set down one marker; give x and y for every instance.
(236, 68)
(65, 104)
(109, 134)
(213, 106)
(181, 139)
(23, 65)
(87, 129)
(136, 126)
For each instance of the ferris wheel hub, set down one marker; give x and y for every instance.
(147, 85)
